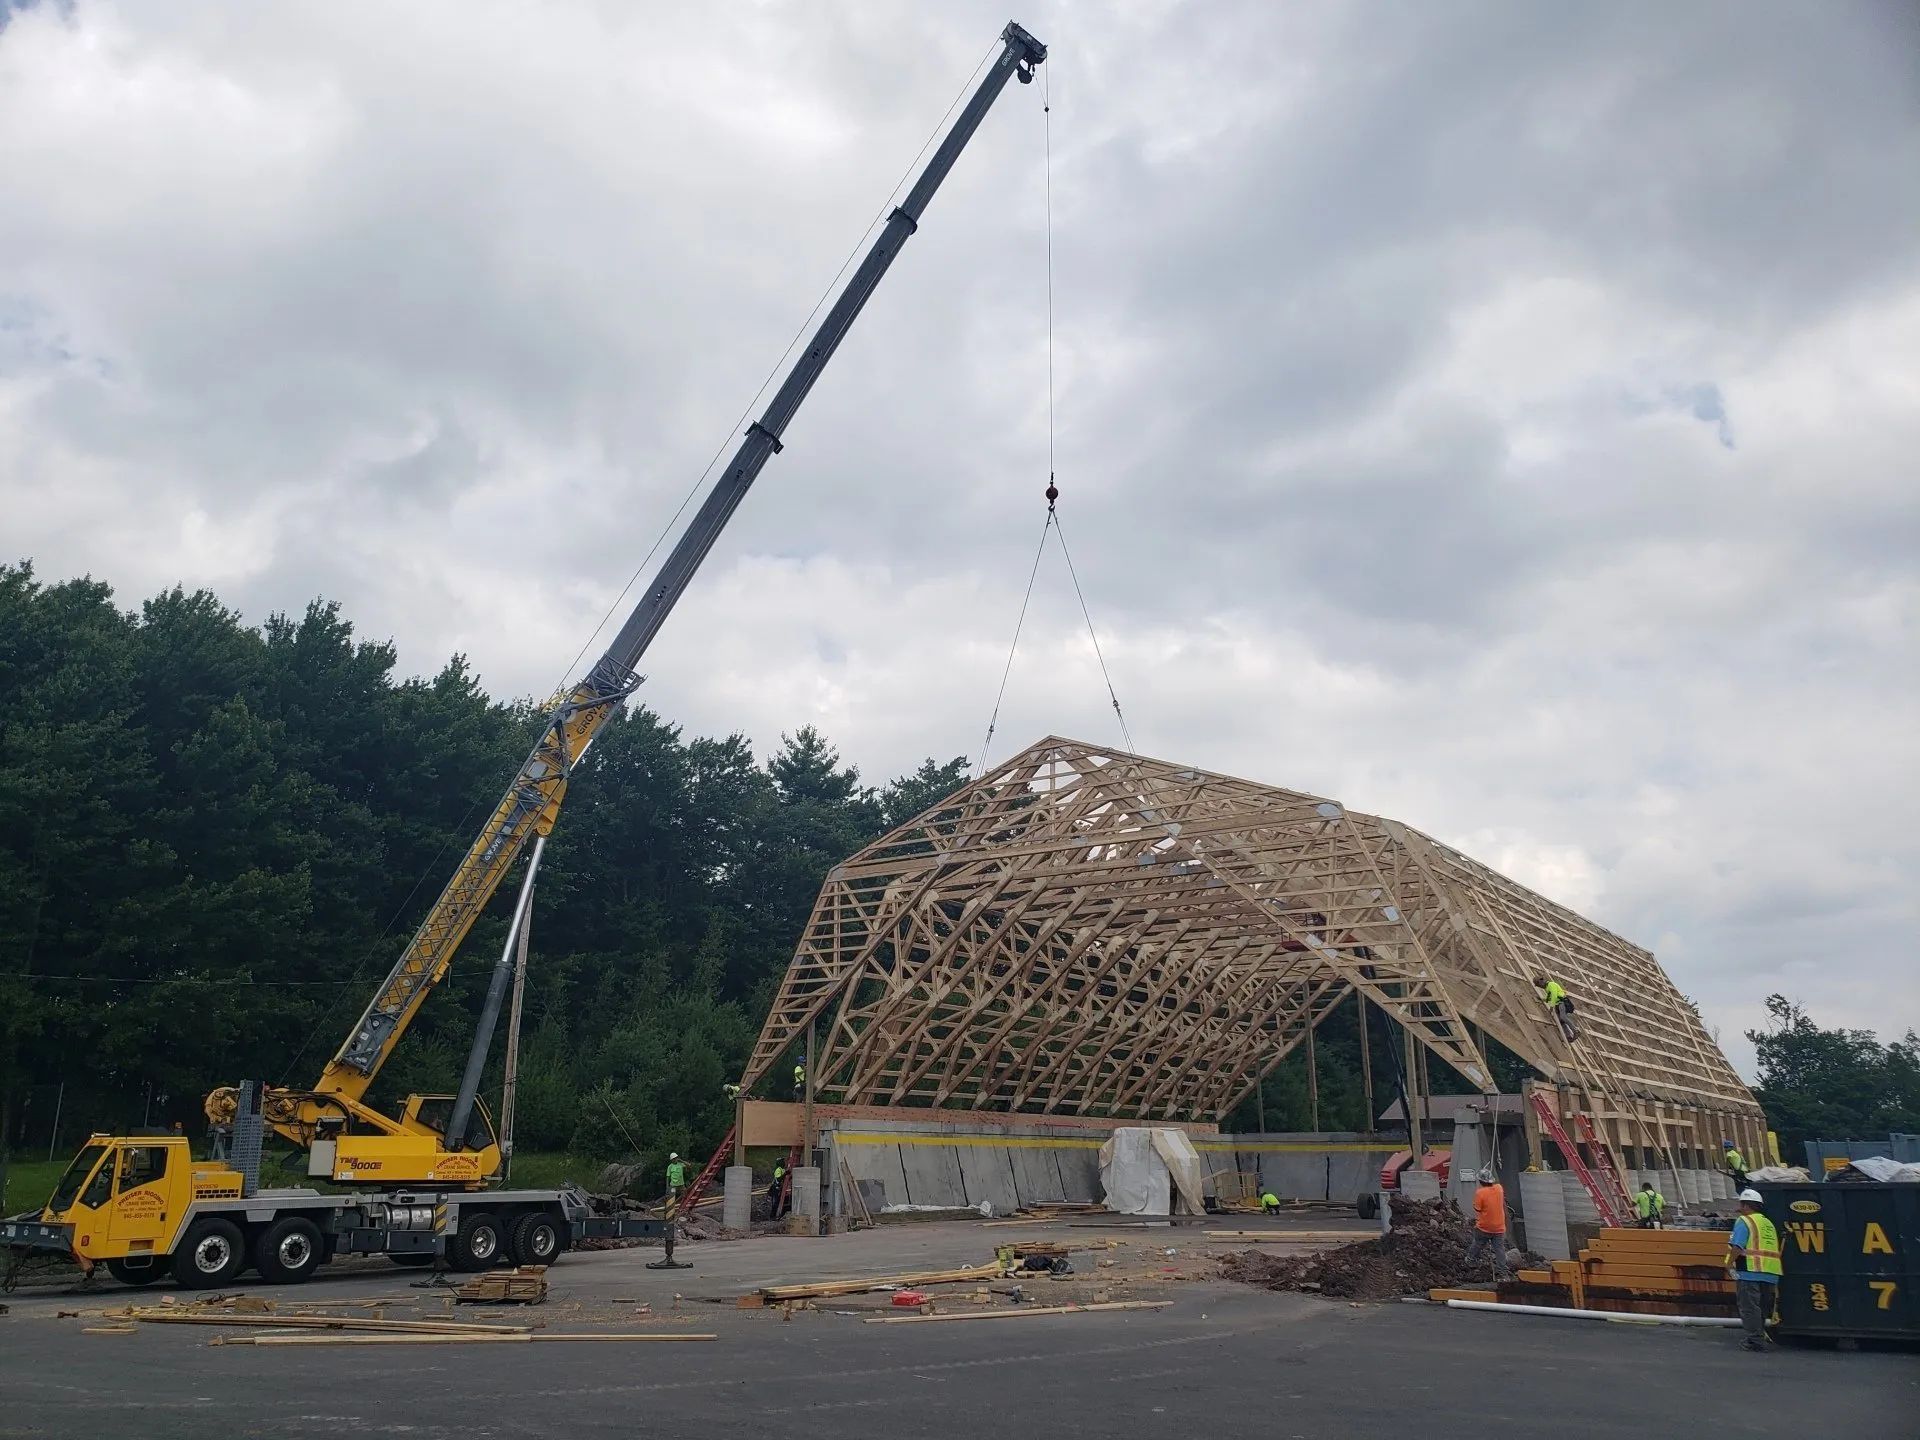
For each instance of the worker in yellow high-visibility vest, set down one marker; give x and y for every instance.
(1648, 1206)
(1559, 1004)
(676, 1182)
(1736, 1164)
(1753, 1259)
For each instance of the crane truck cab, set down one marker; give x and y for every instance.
(123, 1203)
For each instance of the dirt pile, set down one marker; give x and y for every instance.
(1426, 1248)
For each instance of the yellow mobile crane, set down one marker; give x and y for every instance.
(141, 1205)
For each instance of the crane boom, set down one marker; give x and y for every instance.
(533, 799)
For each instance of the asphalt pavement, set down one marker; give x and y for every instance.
(1222, 1357)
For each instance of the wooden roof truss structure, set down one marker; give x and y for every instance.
(1086, 932)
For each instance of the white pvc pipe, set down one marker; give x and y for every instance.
(1620, 1316)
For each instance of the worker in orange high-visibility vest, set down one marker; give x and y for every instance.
(1753, 1259)
(1489, 1222)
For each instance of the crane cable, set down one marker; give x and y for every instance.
(1053, 489)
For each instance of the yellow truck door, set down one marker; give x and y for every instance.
(147, 1201)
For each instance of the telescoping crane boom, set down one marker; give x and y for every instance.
(449, 1140)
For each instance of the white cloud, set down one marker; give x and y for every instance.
(1393, 358)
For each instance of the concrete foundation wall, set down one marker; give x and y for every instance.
(954, 1164)
(940, 1163)
(1544, 1214)
(1036, 1174)
(1299, 1165)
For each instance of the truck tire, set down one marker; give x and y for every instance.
(480, 1244)
(536, 1239)
(143, 1271)
(211, 1254)
(288, 1251)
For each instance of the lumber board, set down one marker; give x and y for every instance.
(1020, 1312)
(173, 1316)
(543, 1337)
(822, 1289)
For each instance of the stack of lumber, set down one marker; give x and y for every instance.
(1643, 1272)
(523, 1285)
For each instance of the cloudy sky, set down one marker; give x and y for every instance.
(1502, 417)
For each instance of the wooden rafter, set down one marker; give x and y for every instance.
(1085, 932)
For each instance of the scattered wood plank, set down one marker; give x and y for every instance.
(822, 1289)
(324, 1322)
(467, 1339)
(1023, 1310)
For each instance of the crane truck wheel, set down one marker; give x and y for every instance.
(136, 1272)
(288, 1251)
(479, 1244)
(211, 1254)
(536, 1240)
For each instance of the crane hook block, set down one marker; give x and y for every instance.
(1053, 492)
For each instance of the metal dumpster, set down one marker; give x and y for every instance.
(1850, 1257)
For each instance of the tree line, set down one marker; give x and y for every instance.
(214, 839)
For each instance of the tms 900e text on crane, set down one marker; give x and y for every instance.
(144, 1207)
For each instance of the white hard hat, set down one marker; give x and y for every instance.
(675, 1155)
(1487, 1176)
(1752, 1197)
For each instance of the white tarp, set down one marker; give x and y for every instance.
(1142, 1168)
(1879, 1167)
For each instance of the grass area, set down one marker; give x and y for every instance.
(538, 1170)
(29, 1183)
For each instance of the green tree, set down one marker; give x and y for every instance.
(1818, 1084)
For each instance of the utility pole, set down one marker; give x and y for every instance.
(1313, 1082)
(1366, 1064)
(806, 1112)
(1415, 1101)
(510, 1088)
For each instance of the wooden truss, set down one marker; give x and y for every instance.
(1087, 932)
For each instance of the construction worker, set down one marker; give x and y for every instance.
(1559, 1005)
(799, 1081)
(1753, 1259)
(676, 1181)
(776, 1192)
(1735, 1163)
(1649, 1205)
(731, 1090)
(1489, 1222)
(1269, 1203)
